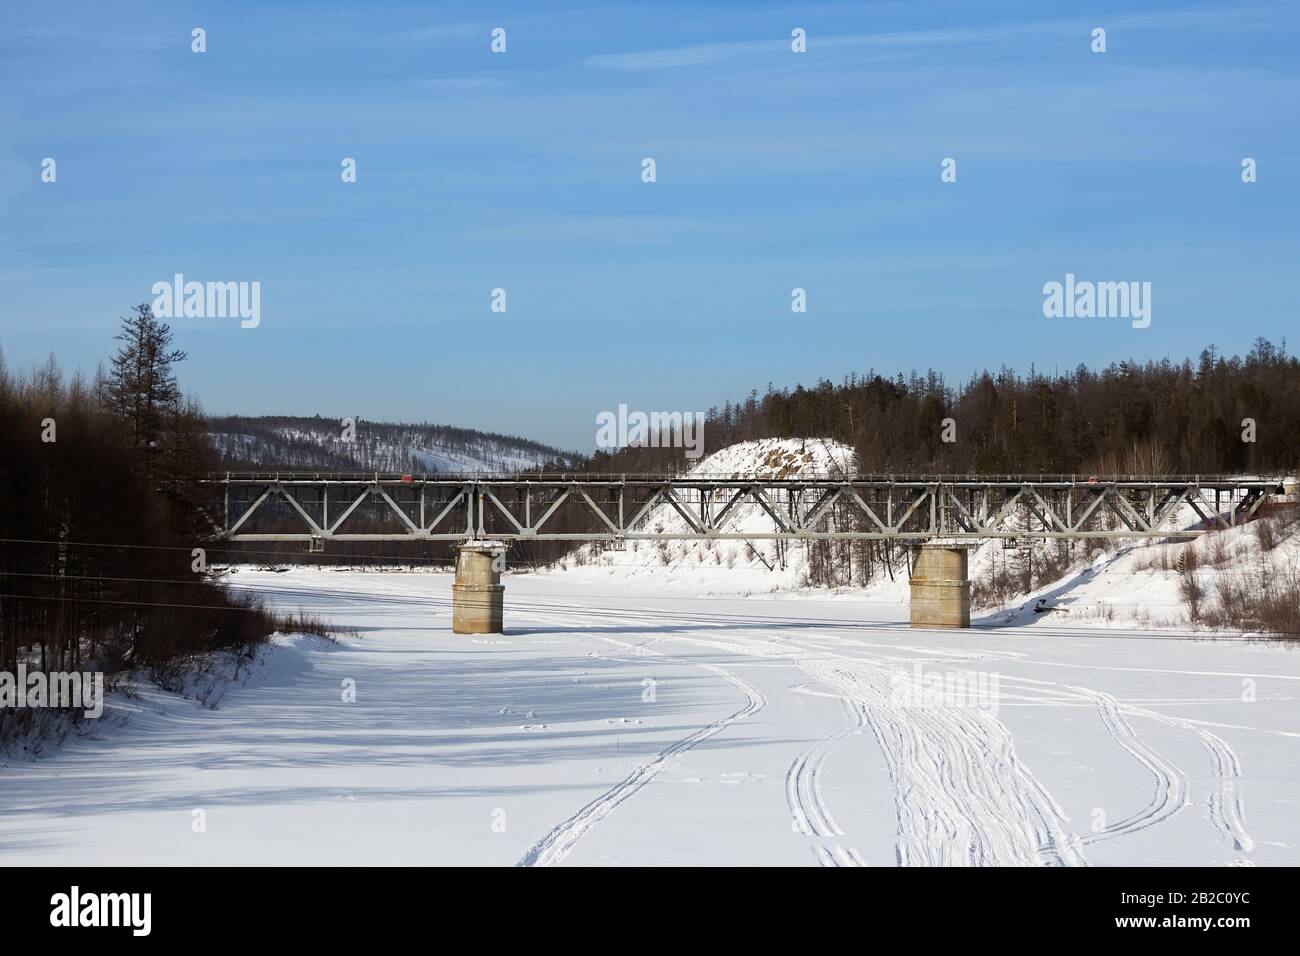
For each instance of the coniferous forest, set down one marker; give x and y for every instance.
(99, 519)
(1189, 417)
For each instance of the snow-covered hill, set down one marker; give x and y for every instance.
(730, 566)
(1241, 579)
(321, 444)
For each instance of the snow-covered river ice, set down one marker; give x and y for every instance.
(621, 725)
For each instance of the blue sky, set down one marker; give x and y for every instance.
(522, 170)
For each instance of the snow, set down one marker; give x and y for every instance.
(752, 566)
(635, 721)
(1136, 584)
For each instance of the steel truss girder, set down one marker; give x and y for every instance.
(871, 509)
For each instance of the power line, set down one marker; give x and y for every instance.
(215, 546)
(98, 577)
(201, 607)
(94, 544)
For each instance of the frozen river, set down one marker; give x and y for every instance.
(640, 726)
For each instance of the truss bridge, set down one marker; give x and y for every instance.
(295, 507)
(942, 517)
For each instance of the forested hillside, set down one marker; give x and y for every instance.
(1159, 417)
(295, 443)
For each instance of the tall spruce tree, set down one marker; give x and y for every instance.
(142, 388)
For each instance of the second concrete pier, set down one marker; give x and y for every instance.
(941, 586)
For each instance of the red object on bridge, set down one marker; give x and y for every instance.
(407, 478)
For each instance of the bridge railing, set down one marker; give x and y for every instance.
(271, 477)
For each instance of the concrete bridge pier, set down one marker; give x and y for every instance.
(941, 586)
(477, 595)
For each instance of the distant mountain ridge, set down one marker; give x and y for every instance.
(301, 443)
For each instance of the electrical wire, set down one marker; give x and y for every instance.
(200, 607)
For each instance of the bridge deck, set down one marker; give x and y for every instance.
(731, 478)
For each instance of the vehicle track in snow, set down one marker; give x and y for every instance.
(1172, 790)
(929, 764)
(1224, 801)
(839, 856)
(1170, 787)
(962, 795)
(955, 825)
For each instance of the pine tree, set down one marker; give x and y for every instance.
(142, 388)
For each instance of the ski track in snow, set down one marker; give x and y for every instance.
(560, 841)
(803, 786)
(803, 791)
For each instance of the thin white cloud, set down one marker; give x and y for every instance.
(707, 53)
(694, 55)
